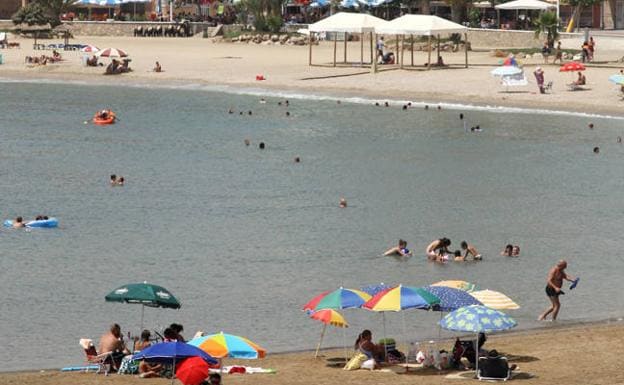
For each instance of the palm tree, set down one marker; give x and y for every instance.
(549, 24)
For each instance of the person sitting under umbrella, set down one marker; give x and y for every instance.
(580, 80)
(147, 370)
(365, 350)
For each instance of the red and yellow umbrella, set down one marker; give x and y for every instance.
(328, 317)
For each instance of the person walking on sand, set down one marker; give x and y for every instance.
(556, 275)
(539, 77)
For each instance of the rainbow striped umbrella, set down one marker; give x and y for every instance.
(227, 345)
(495, 300)
(338, 299)
(401, 298)
(328, 317)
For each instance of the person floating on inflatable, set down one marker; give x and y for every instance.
(401, 249)
(104, 117)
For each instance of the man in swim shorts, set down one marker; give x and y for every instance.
(556, 275)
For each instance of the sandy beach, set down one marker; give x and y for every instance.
(204, 61)
(573, 355)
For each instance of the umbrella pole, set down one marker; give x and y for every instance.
(361, 49)
(310, 49)
(345, 47)
(406, 343)
(344, 344)
(477, 356)
(318, 347)
(142, 315)
(383, 313)
(412, 48)
(173, 370)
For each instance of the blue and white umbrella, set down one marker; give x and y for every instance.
(477, 319)
(450, 298)
(617, 79)
(506, 71)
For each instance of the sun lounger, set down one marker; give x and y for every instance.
(575, 87)
(93, 359)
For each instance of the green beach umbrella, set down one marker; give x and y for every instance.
(144, 294)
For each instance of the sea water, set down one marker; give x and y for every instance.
(244, 237)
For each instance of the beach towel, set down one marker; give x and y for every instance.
(356, 361)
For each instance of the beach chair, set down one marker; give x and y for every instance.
(549, 87)
(494, 368)
(3, 40)
(102, 361)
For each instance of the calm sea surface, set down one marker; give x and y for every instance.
(244, 237)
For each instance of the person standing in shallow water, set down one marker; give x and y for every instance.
(554, 282)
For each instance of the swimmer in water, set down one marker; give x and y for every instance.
(458, 256)
(121, 181)
(619, 139)
(287, 113)
(426, 107)
(18, 223)
(262, 101)
(470, 249)
(386, 104)
(438, 248)
(261, 146)
(247, 142)
(596, 150)
(401, 249)
(297, 159)
(508, 252)
(515, 251)
(591, 126)
(113, 179)
(343, 203)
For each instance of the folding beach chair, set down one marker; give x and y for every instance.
(494, 368)
(102, 361)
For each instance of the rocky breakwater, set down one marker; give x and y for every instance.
(268, 39)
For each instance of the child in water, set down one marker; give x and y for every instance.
(401, 249)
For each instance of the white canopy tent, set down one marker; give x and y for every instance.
(343, 22)
(423, 25)
(525, 5)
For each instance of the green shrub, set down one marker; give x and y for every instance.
(274, 23)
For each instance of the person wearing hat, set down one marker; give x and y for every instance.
(539, 76)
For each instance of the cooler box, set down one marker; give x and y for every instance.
(390, 343)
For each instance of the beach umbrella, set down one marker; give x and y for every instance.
(340, 298)
(172, 352)
(450, 298)
(193, 371)
(144, 294)
(506, 71)
(495, 300)
(572, 67)
(328, 317)
(617, 79)
(222, 345)
(375, 289)
(90, 49)
(401, 298)
(111, 52)
(477, 319)
(349, 4)
(457, 284)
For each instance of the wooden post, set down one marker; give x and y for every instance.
(372, 47)
(373, 56)
(412, 48)
(438, 57)
(396, 51)
(335, 46)
(362, 49)
(402, 50)
(429, 55)
(310, 48)
(466, 47)
(345, 47)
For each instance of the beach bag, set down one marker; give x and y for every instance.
(128, 366)
(356, 361)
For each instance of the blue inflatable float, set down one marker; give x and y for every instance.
(45, 223)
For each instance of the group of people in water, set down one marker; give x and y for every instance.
(438, 251)
(117, 181)
(19, 221)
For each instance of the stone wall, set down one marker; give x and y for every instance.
(6, 24)
(125, 28)
(497, 38)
